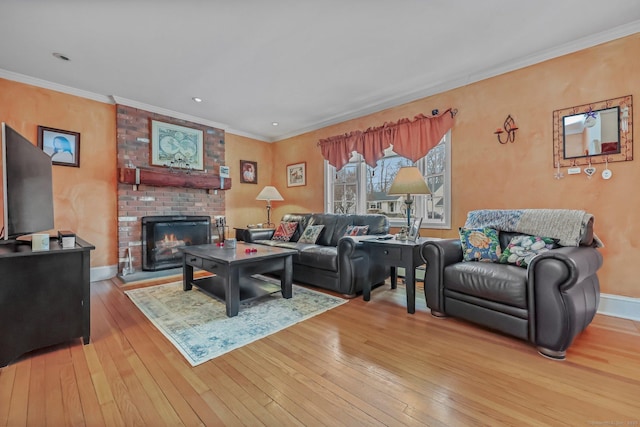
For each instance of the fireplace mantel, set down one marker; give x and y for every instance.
(172, 178)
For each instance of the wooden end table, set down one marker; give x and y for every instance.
(397, 253)
(233, 268)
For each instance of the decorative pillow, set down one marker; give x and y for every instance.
(311, 234)
(480, 244)
(521, 249)
(356, 230)
(284, 231)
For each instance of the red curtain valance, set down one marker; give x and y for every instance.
(410, 139)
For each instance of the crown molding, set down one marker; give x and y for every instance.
(165, 112)
(454, 82)
(114, 99)
(21, 78)
(464, 79)
(250, 135)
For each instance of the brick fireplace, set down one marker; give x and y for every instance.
(135, 202)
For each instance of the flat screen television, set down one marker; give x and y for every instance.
(27, 186)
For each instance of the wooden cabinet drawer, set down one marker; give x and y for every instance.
(210, 265)
(194, 260)
(386, 254)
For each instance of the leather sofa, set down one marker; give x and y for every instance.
(335, 262)
(548, 303)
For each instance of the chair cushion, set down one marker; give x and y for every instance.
(356, 230)
(480, 244)
(284, 231)
(302, 219)
(521, 249)
(322, 257)
(502, 283)
(311, 234)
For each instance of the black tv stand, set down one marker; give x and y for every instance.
(44, 296)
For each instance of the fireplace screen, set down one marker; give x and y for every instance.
(162, 236)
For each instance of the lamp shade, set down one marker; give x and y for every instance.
(409, 180)
(269, 193)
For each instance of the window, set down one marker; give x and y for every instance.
(359, 188)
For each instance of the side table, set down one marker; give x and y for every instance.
(397, 253)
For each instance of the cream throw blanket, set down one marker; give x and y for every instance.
(568, 226)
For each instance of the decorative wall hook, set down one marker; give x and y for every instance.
(510, 129)
(606, 173)
(558, 174)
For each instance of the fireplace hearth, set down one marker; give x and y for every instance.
(163, 236)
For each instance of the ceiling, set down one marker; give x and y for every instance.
(302, 63)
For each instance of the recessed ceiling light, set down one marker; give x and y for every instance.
(275, 123)
(61, 56)
(196, 99)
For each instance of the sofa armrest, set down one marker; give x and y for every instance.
(354, 267)
(563, 293)
(438, 254)
(251, 235)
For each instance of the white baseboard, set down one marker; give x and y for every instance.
(610, 305)
(619, 306)
(103, 273)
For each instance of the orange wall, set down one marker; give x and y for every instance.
(486, 174)
(240, 200)
(84, 197)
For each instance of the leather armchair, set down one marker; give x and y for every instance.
(549, 303)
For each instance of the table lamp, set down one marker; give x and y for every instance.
(269, 193)
(409, 180)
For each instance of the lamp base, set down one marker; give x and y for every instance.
(408, 202)
(268, 224)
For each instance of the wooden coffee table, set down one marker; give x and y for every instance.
(233, 268)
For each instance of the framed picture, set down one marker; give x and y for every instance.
(176, 146)
(62, 146)
(297, 174)
(414, 230)
(248, 172)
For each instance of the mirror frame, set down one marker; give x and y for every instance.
(625, 137)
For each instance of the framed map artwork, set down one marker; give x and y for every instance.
(176, 146)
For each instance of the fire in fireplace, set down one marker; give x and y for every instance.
(162, 236)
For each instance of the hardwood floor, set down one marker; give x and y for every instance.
(358, 364)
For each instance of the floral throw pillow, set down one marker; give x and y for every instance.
(285, 231)
(311, 234)
(521, 249)
(357, 230)
(480, 244)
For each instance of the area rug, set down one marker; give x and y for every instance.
(198, 326)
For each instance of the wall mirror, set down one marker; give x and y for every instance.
(593, 133)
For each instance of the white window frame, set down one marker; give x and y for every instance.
(420, 202)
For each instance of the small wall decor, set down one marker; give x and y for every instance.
(414, 231)
(62, 146)
(599, 132)
(558, 174)
(176, 146)
(248, 172)
(297, 174)
(510, 129)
